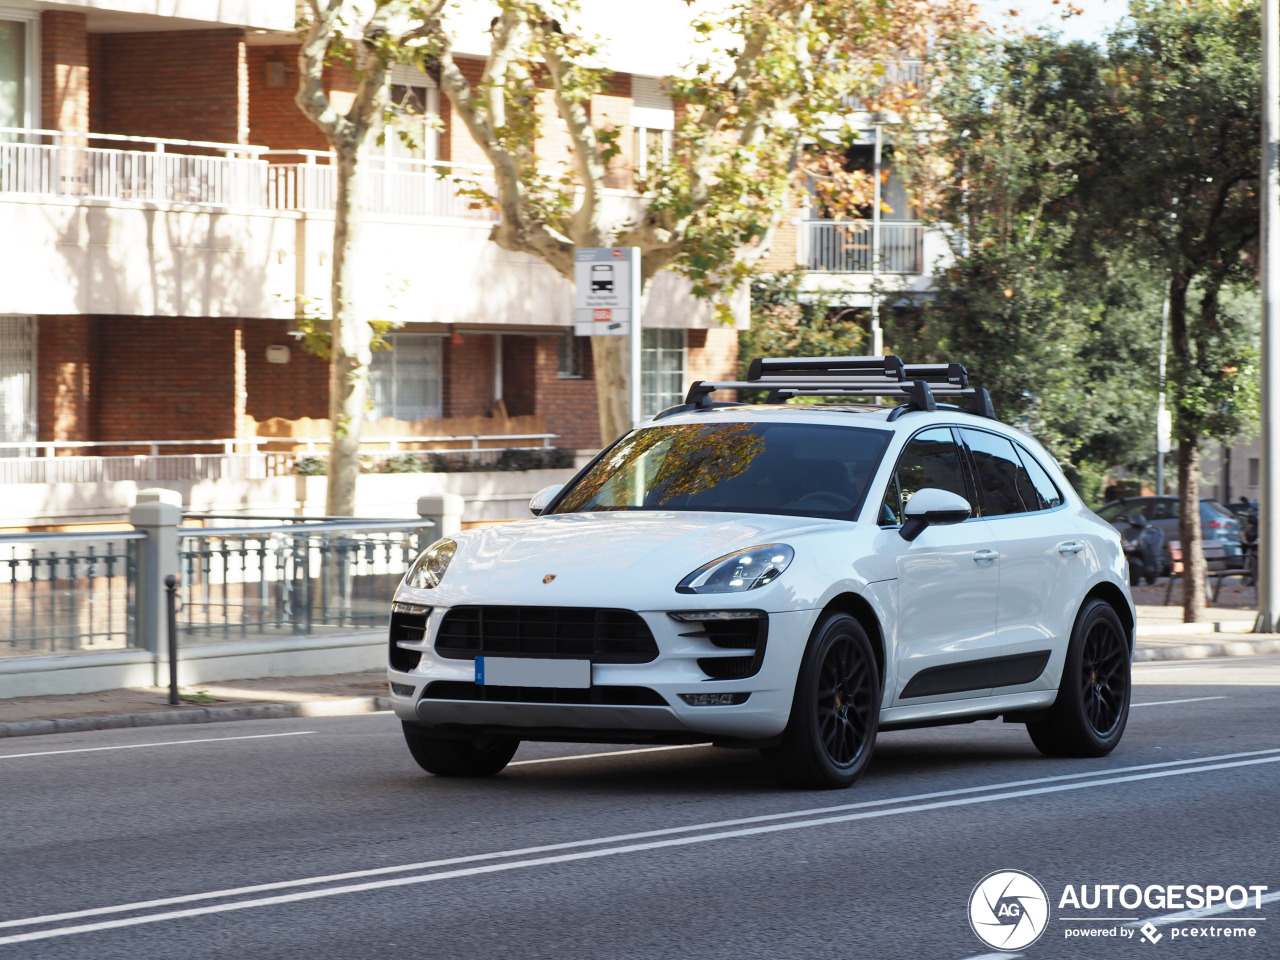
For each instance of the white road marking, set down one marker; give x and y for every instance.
(580, 855)
(995, 956)
(610, 753)
(166, 743)
(619, 838)
(1162, 703)
(1192, 915)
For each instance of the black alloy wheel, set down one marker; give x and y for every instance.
(1089, 716)
(835, 711)
(1104, 677)
(845, 699)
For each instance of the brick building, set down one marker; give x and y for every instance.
(149, 286)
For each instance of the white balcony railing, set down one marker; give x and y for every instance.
(848, 246)
(401, 187)
(902, 76)
(53, 163)
(72, 165)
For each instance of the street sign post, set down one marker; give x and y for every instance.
(607, 302)
(1269, 492)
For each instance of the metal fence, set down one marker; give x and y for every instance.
(295, 579)
(848, 246)
(67, 592)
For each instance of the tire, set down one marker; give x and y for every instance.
(1089, 716)
(481, 757)
(835, 711)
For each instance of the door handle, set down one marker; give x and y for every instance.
(985, 556)
(1070, 549)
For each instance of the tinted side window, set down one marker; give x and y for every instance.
(930, 459)
(998, 468)
(1046, 491)
(1162, 510)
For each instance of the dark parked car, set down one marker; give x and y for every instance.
(1216, 523)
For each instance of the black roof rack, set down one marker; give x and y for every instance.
(919, 385)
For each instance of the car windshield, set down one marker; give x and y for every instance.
(805, 470)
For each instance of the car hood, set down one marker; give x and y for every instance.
(601, 558)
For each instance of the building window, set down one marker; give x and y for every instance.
(1255, 471)
(573, 356)
(413, 132)
(17, 381)
(653, 148)
(406, 382)
(653, 117)
(662, 366)
(19, 66)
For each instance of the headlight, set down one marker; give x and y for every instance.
(428, 570)
(744, 570)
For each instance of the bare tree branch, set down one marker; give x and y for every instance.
(517, 231)
(584, 226)
(311, 98)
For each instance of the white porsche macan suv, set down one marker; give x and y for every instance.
(788, 577)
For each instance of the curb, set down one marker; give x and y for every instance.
(1176, 629)
(348, 706)
(1203, 651)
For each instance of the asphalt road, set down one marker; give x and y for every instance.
(322, 839)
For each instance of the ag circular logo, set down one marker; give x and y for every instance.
(1008, 910)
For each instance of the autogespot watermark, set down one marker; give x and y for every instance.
(1010, 910)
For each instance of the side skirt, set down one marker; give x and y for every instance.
(986, 674)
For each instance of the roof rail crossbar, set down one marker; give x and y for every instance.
(762, 367)
(918, 385)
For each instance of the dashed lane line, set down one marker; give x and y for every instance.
(163, 743)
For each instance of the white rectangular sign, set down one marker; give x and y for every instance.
(607, 290)
(533, 672)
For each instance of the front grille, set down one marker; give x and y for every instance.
(411, 628)
(746, 633)
(605, 696)
(604, 636)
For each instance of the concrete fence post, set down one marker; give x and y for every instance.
(445, 509)
(159, 521)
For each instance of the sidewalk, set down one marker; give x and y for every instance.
(1161, 636)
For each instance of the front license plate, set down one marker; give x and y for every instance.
(530, 672)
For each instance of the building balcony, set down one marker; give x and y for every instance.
(904, 76)
(134, 226)
(153, 170)
(860, 246)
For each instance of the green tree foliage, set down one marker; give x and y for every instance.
(1175, 186)
(785, 322)
(1064, 340)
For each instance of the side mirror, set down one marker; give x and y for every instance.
(932, 505)
(543, 498)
